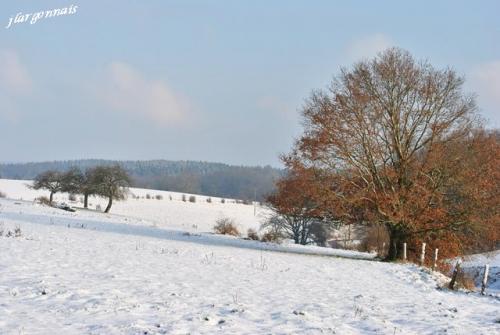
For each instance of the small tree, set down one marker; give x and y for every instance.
(299, 214)
(51, 181)
(111, 183)
(88, 186)
(77, 182)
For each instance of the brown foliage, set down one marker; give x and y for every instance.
(393, 140)
(226, 226)
(252, 234)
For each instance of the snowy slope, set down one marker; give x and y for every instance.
(174, 214)
(90, 273)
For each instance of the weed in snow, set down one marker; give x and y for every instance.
(209, 259)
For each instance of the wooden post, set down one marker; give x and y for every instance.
(454, 276)
(422, 255)
(404, 251)
(485, 278)
(434, 265)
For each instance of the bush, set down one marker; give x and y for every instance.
(148, 196)
(2, 195)
(465, 280)
(271, 236)
(43, 200)
(226, 226)
(222, 201)
(192, 198)
(184, 197)
(319, 233)
(159, 197)
(72, 197)
(252, 234)
(209, 200)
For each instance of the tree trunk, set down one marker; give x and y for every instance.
(110, 202)
(50, 198)
(395, 238)
(85, 200)
(296, 237)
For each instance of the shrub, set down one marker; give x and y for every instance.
(465, 280)
(252, 234)
(222, 201)
(184, 197)
(159, 197)
(148, 196)
(319, 233)
(226, 226)
(72, 197)
(43, 200)
(271, 236)
(192, 198)
(209, 200)
(2, 195)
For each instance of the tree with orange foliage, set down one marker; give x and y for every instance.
(383, 132)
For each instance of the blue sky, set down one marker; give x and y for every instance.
(210, 80)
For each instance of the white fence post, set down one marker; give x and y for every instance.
(422, 256)
(404, 251)
(485, 278)
(435, 258)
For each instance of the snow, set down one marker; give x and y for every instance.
(133, 272)
(174, 214)
(474, 266)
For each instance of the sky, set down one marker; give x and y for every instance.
(220, 81)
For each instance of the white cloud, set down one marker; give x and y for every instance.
(129, 91)
(368, 46)
(13, 74)
(15, 84)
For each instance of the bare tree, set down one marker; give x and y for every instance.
(110, 182)
(53, 181)
(299, 211)
(377, 127)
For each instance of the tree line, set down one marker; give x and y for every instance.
(397, 143)
(109, 182)
(214, 179)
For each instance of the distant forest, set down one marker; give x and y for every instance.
(215, 179)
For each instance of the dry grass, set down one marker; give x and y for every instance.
(226, 226)
(43, 200)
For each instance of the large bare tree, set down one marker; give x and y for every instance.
(377, 127)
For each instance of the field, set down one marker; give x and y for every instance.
(153, 267)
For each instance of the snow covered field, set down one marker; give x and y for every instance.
(137, 272)
(174, 214)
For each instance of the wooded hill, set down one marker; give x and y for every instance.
(215, 179)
